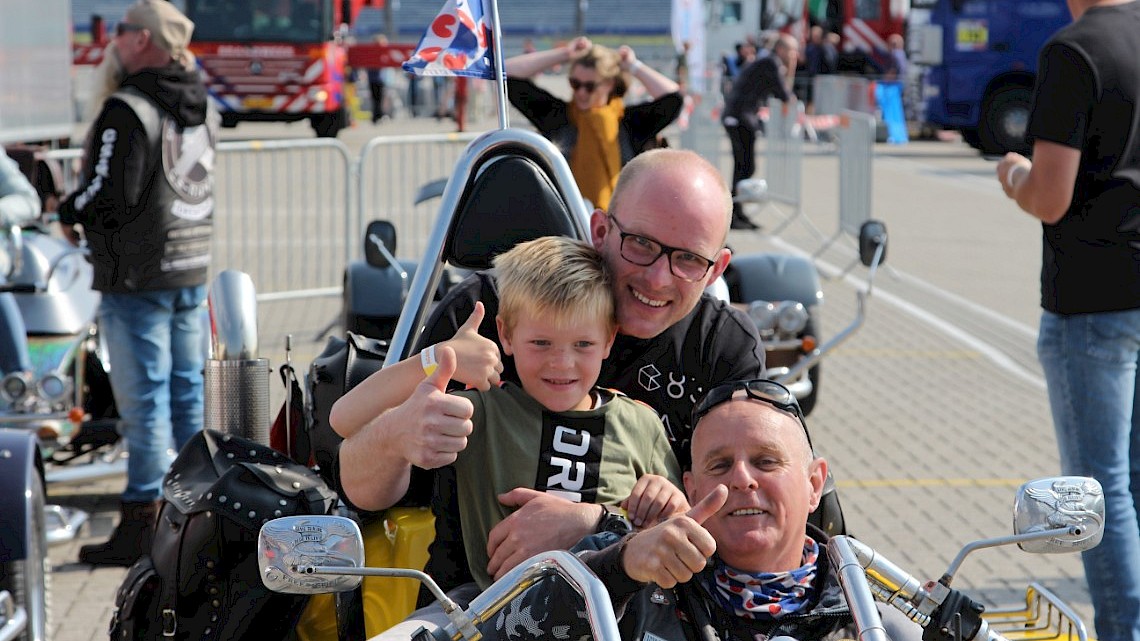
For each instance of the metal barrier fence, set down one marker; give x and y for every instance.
(281, 213)
(784, 159)
(834, 94)
(291, 214)
(856, 153)
(391, 171)
(705, 134)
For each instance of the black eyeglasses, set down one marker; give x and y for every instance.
(643, 252)
(126, 27)
(588, 85)
(763, 390)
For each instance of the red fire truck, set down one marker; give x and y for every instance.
(275, 60)
(863, 24)
(282, 60)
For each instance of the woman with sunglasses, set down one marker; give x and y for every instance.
(596, 131)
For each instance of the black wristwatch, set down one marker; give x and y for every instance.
(613, 520)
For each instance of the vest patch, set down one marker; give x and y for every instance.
(188, 162)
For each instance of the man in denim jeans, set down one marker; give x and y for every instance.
(146, 206)
(1084, 185)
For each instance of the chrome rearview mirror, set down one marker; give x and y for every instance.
(289, 548)
(1073, 502)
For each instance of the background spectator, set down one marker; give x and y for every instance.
(596, 130)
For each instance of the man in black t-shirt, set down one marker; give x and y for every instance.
(664, 242)
(1084, 186)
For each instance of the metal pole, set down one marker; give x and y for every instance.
(390, 7)
(500, 74)
(580, 18)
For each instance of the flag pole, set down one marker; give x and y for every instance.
(500, 74)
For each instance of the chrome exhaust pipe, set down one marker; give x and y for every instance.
(236, 380)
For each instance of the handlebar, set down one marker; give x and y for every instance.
(865, 575)
(600, 614)
(603, 623)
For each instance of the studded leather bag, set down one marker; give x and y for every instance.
(201, 578)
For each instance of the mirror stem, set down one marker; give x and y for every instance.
(462, 622)
(1072, 530)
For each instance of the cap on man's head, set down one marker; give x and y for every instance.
(169, 29)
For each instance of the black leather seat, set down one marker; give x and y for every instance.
(510, 200)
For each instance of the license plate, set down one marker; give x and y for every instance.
(257, 102)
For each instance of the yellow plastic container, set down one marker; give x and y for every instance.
(398, 540)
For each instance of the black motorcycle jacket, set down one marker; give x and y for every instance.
(147, 201)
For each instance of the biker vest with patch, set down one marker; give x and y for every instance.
(165, 241)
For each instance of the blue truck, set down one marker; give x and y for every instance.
(979, 60)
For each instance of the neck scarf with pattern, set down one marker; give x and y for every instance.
(766, 595)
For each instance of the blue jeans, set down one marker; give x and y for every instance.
(154, 341)
(1090, 363)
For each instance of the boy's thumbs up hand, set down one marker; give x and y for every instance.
(443, 420)
(478, 363)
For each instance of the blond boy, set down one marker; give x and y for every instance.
(556, 432)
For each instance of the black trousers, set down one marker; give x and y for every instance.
(376, 89)
(743, 139)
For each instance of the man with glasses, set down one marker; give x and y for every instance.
(663, 239)
(742, 563)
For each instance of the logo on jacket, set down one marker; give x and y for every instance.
(188, 164)
(647, 376)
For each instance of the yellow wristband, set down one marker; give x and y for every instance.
(427, 360)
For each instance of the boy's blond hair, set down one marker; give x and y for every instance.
(554, 276)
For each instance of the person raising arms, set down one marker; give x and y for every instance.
(596, 131)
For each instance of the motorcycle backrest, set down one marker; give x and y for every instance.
(511, 200)
(509, 186)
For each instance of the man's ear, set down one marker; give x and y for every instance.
(721, 264)
(599, 227)
(687, 481)
(817, 476)
(504, 335)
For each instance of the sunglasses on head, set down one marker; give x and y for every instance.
(126, 27)
(588, 85)
(760, 389)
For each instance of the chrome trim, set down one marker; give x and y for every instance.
(233, 317)
(479, 150)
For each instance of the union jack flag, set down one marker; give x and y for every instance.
(457, 43)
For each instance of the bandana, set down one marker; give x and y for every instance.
(766, 595)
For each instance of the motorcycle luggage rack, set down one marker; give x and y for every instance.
(1043, 617)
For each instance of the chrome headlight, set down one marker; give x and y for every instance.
(792, 317)
(14, 387)
(53, 388)
(764, 314)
